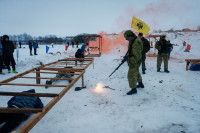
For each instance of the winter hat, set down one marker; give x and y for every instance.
(5, 36)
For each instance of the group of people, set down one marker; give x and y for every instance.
(33, 45)
(7, 48)
(137, 49)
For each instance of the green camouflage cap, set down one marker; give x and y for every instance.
(129, 33)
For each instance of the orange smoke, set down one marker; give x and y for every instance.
(110, 42)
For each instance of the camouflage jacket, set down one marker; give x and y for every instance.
(163, 46)
(135, 51)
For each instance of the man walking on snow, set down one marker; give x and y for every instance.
(134, 60)
(146, 47)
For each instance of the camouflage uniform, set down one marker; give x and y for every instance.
(162, 46)
(134, 60)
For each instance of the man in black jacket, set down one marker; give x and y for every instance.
(146, 47)
(8, 50)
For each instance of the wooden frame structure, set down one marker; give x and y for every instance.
(79, 65)
(188, 61)
(91, 48)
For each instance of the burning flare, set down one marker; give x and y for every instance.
(99, 88)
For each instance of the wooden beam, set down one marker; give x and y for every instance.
(62, 69)
(88, 65)
(34, 120)
(19, 110)
(37, 75)
(47, 78)
(13, 78)
(28, 94)
(73, 67)
(43, 85)
(57, 73)
(77, 59)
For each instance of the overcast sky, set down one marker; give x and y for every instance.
(72, 17)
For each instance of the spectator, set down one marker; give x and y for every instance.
(146, 48)
(30, 44)
(83, 48)
(12, 120)
(79, 54)
(1, 62)
(77, 44)
(8, 50)
(35, 46)
(20, 44)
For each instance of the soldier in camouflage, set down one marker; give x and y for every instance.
(162, 46)
(134, 61)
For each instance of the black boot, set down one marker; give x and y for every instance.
(133, 91)
(166, 71)
(140, 85)
(158, 70)
(143, 72)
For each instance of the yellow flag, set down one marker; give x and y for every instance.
(140, 26)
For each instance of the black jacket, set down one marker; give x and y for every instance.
(146, 45)
(79, 54)
(8, 48)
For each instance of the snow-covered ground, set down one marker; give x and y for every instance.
(169, 103)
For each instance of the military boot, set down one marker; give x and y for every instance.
(132, 91)
(166, 71)
(140, 85)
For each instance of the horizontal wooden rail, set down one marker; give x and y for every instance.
(46, 78)
(74, 67)
(57, 73)
(28, 94)
(41, 85)
(19, 110)
(13, 78)
(61, 69)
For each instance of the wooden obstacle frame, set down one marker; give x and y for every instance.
(79, 65)
(188, 61)
(91, 49)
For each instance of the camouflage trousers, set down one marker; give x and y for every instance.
(134, 75)
(164, 57)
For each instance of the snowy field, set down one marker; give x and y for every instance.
(169, 103)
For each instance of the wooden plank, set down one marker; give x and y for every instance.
(73, 67)
(49, 64)
(192, 60)
(57, 73)
(17, 84)
(68, 63)
(62, 69)
(28, 94)
(88, 65)
(77, 59)
(47, 78)
(37, 75)
(19, 110)
(14, 77)
(34, 120)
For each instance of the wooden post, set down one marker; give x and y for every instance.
(37, 75)
(83, 80)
